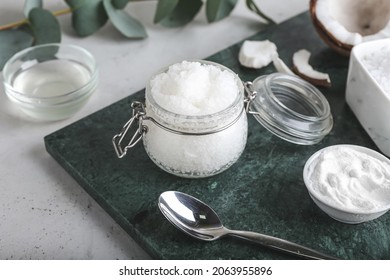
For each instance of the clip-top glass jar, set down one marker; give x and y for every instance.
(205, 145)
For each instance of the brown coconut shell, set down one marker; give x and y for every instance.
(328, 38)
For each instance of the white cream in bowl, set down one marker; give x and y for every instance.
(350, 183)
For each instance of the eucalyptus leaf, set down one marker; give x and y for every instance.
(253, 7)
(12, 41)
(164, 9)
(219, 9)
(45, 26)
(88, 16)
(31, 4)
(126, 24)
(119, 4)
(183, 13)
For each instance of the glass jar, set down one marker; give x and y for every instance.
(195, 146)
(291, 108)
(202, 146)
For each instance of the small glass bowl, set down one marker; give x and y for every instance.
(50, 82)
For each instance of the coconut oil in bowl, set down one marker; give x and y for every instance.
(50, 82)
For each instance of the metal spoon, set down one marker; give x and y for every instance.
(200, 221)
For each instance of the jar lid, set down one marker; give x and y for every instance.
(290, 108)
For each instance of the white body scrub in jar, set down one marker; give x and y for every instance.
(194, 121)
(203, 105)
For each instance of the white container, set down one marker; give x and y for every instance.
(205, 145)
(333, 208)
(367, 99)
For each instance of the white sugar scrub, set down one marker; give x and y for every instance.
(199, 125)
(349, 179)
(193, 89)
(194, 120)
(377, 64)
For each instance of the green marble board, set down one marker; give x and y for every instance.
(263, 191)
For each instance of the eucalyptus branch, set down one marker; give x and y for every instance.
(13, 24)
(25, 21)
(56, 13)
(88, 16)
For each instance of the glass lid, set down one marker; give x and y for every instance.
(290, 108)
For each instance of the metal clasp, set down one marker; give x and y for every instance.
(249, 96)
(138, 116)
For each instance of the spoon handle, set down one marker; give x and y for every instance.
(280, 244)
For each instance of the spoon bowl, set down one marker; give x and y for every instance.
(190, 215)
(198, 220)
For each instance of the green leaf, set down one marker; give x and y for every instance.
(88, 16)
(184, 12)
(12, 41)
(31, 4)
(164, 9)
(219, 9)
(45, 26)
(127, 25)
(120, 4)
(253, 7)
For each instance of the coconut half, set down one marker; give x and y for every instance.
(303, 69)
(343, 24)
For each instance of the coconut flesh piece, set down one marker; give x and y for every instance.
(257, 54)
(303, 69)
(350, 22)
(280, 66)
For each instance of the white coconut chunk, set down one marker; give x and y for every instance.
(333, 25)
(306, 71)
(280, 66)
(341, 34)
(257, 54)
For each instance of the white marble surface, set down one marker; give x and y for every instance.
(44, 213)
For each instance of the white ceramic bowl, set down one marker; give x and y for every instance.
(367, 99)
(52, 81)
(339, 213)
